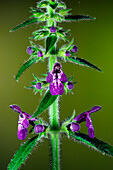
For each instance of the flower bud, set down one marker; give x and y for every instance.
(30, 50)
(52, 29)
(39, 128)
(75, 127)
(40, 54)
(67, 53)
(75, 49)
(38, 85)
(70, 85)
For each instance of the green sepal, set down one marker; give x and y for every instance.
(64, 130)
(95, 143)
(50, 42)
(70, 78)
(36, 12)
(43, 4)
(61, 5)
(25, 66)
(34, 45)
(83, 63)
(23, 152)
(66, 122)
(25, 23)
(64, 12)
(67, 46)
(47, 101)
(62, 35)
(78, 18)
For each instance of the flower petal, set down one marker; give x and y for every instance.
(81, 117)
(88, 121)
(91, 131)
(22, 132)
(49, 78)
(95, 109)
(56, 88)
(63, 77)
(15, 108)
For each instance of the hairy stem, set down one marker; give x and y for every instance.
(53, 109)
(55, 150)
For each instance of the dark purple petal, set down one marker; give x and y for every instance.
(15, 108)
(22, 134)
(52, 29)
(74, 49)
(38, 85)
(81, 117)
(30, 50)
(94, 109)
(63, 77)
(49, 78)
(88, 121)
(91, 131)
(67, 53)
(39, 128)
(25, 123)
(70, 85)
(56, 88)
(75, 127)
(40, 54)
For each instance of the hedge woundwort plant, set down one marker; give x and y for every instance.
(50, 12)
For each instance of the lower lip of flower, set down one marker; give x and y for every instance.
(39, 128)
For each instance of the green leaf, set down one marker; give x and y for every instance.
(50, 42)
(64, 12)
(83, 63)
(99, 145)
(78, 18)
(25, 66)
(22, 153)
(47, 101)
(25, 23)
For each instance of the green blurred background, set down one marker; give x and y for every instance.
(94, 40)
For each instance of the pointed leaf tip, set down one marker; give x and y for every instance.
(83, 62)
(26, 65)
(25, 23)
(78, 18)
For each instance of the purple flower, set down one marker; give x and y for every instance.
(40, 54)
(70, 85)
(30, 50)
(52, 29)
(74, 126)
(38, 85)
(56, 78)
(74, 49)
(23, 122)
(67, 53)
(39, 128)
(86, 117)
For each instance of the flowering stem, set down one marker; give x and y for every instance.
(53, 115)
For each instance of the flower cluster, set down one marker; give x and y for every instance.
(57, 78)
(73, 50)
(24, 121)
(86, 116)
